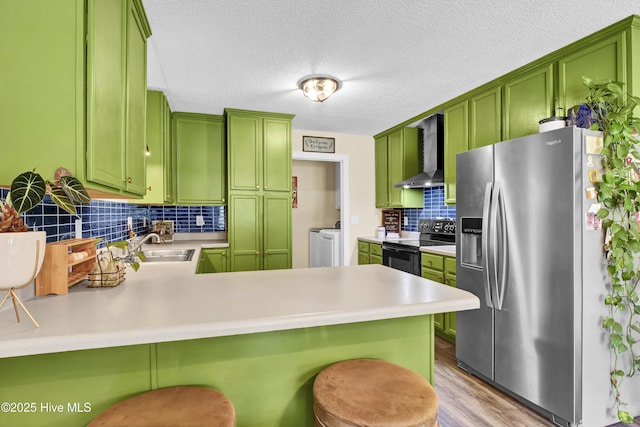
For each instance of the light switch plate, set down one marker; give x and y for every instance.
(199, 220)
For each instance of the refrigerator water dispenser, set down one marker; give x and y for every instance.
(471, 242)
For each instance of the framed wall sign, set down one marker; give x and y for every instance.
(391, 219)
(318, 144)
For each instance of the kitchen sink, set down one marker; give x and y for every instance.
(168, 255)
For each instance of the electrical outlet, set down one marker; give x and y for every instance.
(406, 220)
(130, 223)
(78, 228)
(199, 220)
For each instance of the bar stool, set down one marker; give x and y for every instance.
(373, 393)
(191, 406)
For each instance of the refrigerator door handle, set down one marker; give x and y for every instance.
(502, 258)
(486, 230)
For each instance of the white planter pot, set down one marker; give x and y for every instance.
(21, 257)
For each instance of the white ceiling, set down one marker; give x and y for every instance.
(396, 58)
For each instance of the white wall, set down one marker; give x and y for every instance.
(364, 218)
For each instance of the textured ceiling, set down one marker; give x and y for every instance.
(396, 58)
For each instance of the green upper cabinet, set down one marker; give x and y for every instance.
(169, 159)
(65, 96)
(485, 118)
(259, 150)
(604, 60)
(116, 94)
(456, 140)
(397, 158)
(468, 125)
(200, 153)
(277, 154)
(136, 101)
(159, 170)
(528, 98)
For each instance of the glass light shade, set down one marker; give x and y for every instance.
(319, 88)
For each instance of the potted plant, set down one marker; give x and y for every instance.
(22, 254)
(619, 194)
(28, 190)
(109, 270)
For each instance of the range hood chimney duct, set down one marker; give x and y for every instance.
(432, 174)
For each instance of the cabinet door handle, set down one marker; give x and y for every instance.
(128, 180)
(149, 188)
(266, 186)
(257, 252)
(266, 252)
(223, 200)
(224, 254)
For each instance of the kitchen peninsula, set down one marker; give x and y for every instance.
(258, 337)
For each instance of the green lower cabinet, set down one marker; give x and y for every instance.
(375, 259)
(70, 389)
(363, 258)
(260, 231)
(441, 269)
(369, 253)
(213, 261)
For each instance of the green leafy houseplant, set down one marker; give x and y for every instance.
(619, 195)
(29, 188)
(109, 270)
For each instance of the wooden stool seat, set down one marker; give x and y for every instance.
(191, 406)
(373, 393)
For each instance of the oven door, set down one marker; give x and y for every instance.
(404, 258)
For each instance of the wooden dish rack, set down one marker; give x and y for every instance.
(60, 271)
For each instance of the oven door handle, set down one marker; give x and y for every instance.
(400, 251)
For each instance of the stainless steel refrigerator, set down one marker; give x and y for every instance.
(530, 247)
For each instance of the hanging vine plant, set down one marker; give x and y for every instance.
(612, 112)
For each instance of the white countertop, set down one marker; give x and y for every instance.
(168, 302)
(447, 250)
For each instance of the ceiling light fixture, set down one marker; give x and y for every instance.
(319, 87)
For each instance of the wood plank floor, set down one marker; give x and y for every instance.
(466, 401)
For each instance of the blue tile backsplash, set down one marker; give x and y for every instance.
(434, 207)
(108, 219)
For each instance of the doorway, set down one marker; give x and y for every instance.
(301, 231)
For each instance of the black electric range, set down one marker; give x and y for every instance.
(405, 254)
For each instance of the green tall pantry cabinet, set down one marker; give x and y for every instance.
(259, 179)
(73, 84)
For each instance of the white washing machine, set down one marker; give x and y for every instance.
(314, 247)
(325, 247)
(330, 247)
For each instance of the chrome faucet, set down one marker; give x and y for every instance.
(146, 238)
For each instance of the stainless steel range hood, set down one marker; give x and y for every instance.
(432, 174)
